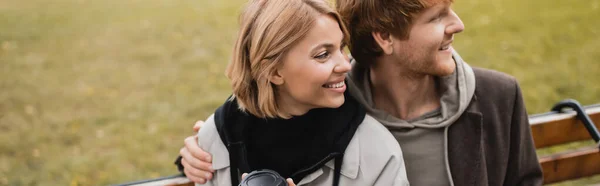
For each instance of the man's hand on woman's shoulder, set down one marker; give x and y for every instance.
(196, 162)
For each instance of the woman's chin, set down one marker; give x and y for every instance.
(336, 102)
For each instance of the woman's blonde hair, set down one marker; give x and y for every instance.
(269, 28)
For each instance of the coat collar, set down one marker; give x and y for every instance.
(350, 163)
(465, 147)
(351, 159)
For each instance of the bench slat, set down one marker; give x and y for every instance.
(559, 128)
(571, 165)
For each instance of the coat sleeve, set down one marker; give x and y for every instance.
(523, 165)
(210, 141)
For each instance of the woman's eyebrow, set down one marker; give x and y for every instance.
(323, 45)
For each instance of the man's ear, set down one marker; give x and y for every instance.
(276, 77)
(385, 41)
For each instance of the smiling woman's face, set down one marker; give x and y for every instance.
(313, 71)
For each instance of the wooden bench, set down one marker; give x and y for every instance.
(553, 128)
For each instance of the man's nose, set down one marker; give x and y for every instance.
(456, 25)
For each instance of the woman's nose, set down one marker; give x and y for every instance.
(342, 63)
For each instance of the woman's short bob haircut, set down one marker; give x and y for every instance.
(269, 28)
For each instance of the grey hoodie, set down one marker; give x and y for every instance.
(424, 139)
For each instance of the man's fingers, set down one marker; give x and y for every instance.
(244, 175)
(194, 174)
(193, 178)
(201, 165)
(198, 125)
(189, 173)
(193, 161)
(191, 144)
(290, 182)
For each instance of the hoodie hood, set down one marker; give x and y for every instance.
(457, 91)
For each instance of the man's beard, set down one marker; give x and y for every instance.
(431, 67)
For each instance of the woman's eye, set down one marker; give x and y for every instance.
(322, 55)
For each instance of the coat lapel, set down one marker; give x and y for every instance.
(467, 165)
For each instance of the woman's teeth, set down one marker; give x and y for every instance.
(337, 85)
(445, 47)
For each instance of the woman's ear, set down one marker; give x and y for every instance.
(385, 42)
(276, 77)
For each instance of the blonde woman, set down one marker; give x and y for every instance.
(289, 111)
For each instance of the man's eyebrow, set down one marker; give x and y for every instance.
(438, 9)
(445, 7)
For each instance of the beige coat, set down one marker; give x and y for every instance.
(373, 157)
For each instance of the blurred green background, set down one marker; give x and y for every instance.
(97, 92)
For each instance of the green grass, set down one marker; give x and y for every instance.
(104, 92)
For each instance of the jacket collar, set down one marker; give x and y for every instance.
(465, 147)
(350, 163)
